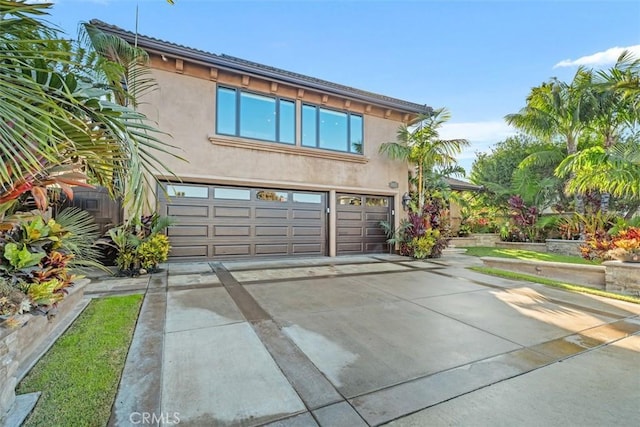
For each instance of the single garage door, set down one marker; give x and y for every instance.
(216, 222)
(358, 223)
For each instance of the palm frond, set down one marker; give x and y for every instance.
(83, 233)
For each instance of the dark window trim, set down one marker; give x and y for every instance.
(317, 136)
(238, 92)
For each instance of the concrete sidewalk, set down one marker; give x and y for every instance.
(368, 340)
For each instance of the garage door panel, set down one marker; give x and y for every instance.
(271, 213)
(262, 231)
(307, 231)
(232, 212)
(349, 216)
(375, 232)
(376, 247)
(300, 214)
(353, 247)
(231, 250)
(188, 211)
(350, 231)
(272, 249)
(188, 251)
(188, 230)
(306, 248)
(231, 230)
(376, 216)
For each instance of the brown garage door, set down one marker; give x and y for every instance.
(215, 222)
(358, 223)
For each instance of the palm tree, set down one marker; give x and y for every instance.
(57, 117)
(616, 170)
(557, 109)
(419, 143)
(612, 168)
(614, 110)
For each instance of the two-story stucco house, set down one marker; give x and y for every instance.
(279, 164)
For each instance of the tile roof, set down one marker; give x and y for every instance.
(457, 184)
(241, 65)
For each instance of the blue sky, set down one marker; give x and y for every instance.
(477, 58)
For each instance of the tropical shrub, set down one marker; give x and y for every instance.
(422, 245)
(139, 248)
(464, 230)
(568, 227)
(34, 266)
(481, 225)
(421, 235)
(626, 245)
(153, 251)
(623, 243)
(524, 217)
(125, 242)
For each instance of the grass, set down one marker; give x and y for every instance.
(526, 255)
(554, 283)
(79, 375)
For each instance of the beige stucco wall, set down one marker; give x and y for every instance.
(184, 107)
(455, 217)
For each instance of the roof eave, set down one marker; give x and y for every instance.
(159, 47)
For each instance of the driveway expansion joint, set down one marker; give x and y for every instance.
(313, 388)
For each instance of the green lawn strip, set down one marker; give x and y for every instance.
(554, 283)
(481, 251)
(79, 375)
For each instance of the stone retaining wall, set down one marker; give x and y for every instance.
(476, 239)
(18, 343)
(579, 274)
(612, 276)
(524, 246)
(623, 277)
(564, 247)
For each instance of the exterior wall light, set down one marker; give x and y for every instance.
(406, 198)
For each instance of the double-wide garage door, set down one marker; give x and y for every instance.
(218, 222)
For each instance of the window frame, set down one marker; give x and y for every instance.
(349, 131)
(238, 118)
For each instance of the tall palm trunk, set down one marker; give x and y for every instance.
(420, 189)
(605, 197)
(572, 148)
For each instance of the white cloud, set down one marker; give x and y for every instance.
(481, 136)
(609, 56)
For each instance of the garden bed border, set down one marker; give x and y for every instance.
(612, 276)
(21, 346)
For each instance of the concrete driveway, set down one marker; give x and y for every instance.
(369, 340)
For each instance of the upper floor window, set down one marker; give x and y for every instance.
(331, 130)
(250, 115)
